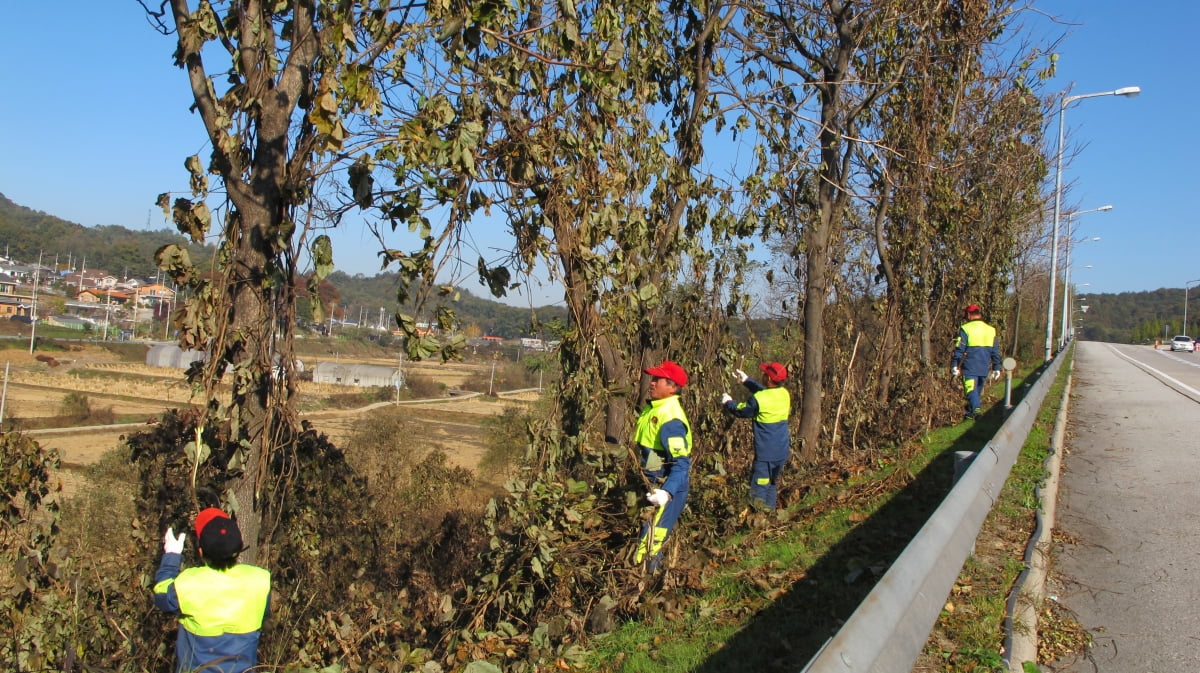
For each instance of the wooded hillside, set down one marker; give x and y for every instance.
(24, 233)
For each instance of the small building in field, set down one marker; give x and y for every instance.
(70, 322)
(171, 355)
(358, 375)
(533, 344)
(11, 306)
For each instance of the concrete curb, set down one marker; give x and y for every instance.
(1029, 592)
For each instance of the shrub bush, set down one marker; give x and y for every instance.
(414, 486)
(420, 387)
(507, 441)
(76, 406)
(60, 609)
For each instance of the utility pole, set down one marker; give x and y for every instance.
(4, 396)
(107, 309)
(167, 319)
(399, 375)
(37, 277)
(137, 300)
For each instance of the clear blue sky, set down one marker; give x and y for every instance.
(95, 125)
(1135, 154)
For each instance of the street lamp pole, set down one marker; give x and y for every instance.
(1068, 296)
(1127, 91)
(1185, 294)
(1067, 268)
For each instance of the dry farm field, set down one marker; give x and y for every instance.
(34, 388)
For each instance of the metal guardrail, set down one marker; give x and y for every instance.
(889, 628)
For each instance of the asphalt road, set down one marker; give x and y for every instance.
(1128, 556)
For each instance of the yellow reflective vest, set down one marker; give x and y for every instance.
(220, 613)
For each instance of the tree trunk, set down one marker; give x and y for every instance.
(263, 186)
(816, 291)
(583, 306)
(251, 315)
(831, 197)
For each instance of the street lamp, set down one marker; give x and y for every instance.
(1067, 289)
(1067, 267)
(1185, 294)
(1063, 102)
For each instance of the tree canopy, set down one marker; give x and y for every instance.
(894, 167)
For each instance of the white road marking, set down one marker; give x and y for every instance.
(1173, 356)
(1159, 374)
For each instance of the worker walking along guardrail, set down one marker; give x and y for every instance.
(890, 627)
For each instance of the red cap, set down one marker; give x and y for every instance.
(206, 516)
(776, 373)
(217, 535)
(974, 309)
(671, 371)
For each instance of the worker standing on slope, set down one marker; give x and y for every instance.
(770, 406)
(664, 435)
(975, 351)
(221, 605)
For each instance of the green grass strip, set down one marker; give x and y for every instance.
(971, 634)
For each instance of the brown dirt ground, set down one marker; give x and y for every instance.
(35, 389)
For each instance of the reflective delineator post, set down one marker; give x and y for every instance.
(1009, 365)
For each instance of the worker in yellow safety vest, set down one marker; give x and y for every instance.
(664, 436)
(975, 352)
(769, 405)
(221, 605)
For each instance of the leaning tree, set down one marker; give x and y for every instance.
(281, 89)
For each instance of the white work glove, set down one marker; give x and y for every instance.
(740, 375)
(658, 497)
(995, 375)
(954, 371)
(725, 399)
(172, 544)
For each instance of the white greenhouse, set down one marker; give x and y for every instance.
(363, 376)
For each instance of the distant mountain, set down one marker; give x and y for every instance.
(1133, 317)
(363, 296)
(24, 233)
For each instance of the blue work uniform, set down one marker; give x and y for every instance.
(221, 613)
(770, 409)
(975, 353)
(665, 438)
